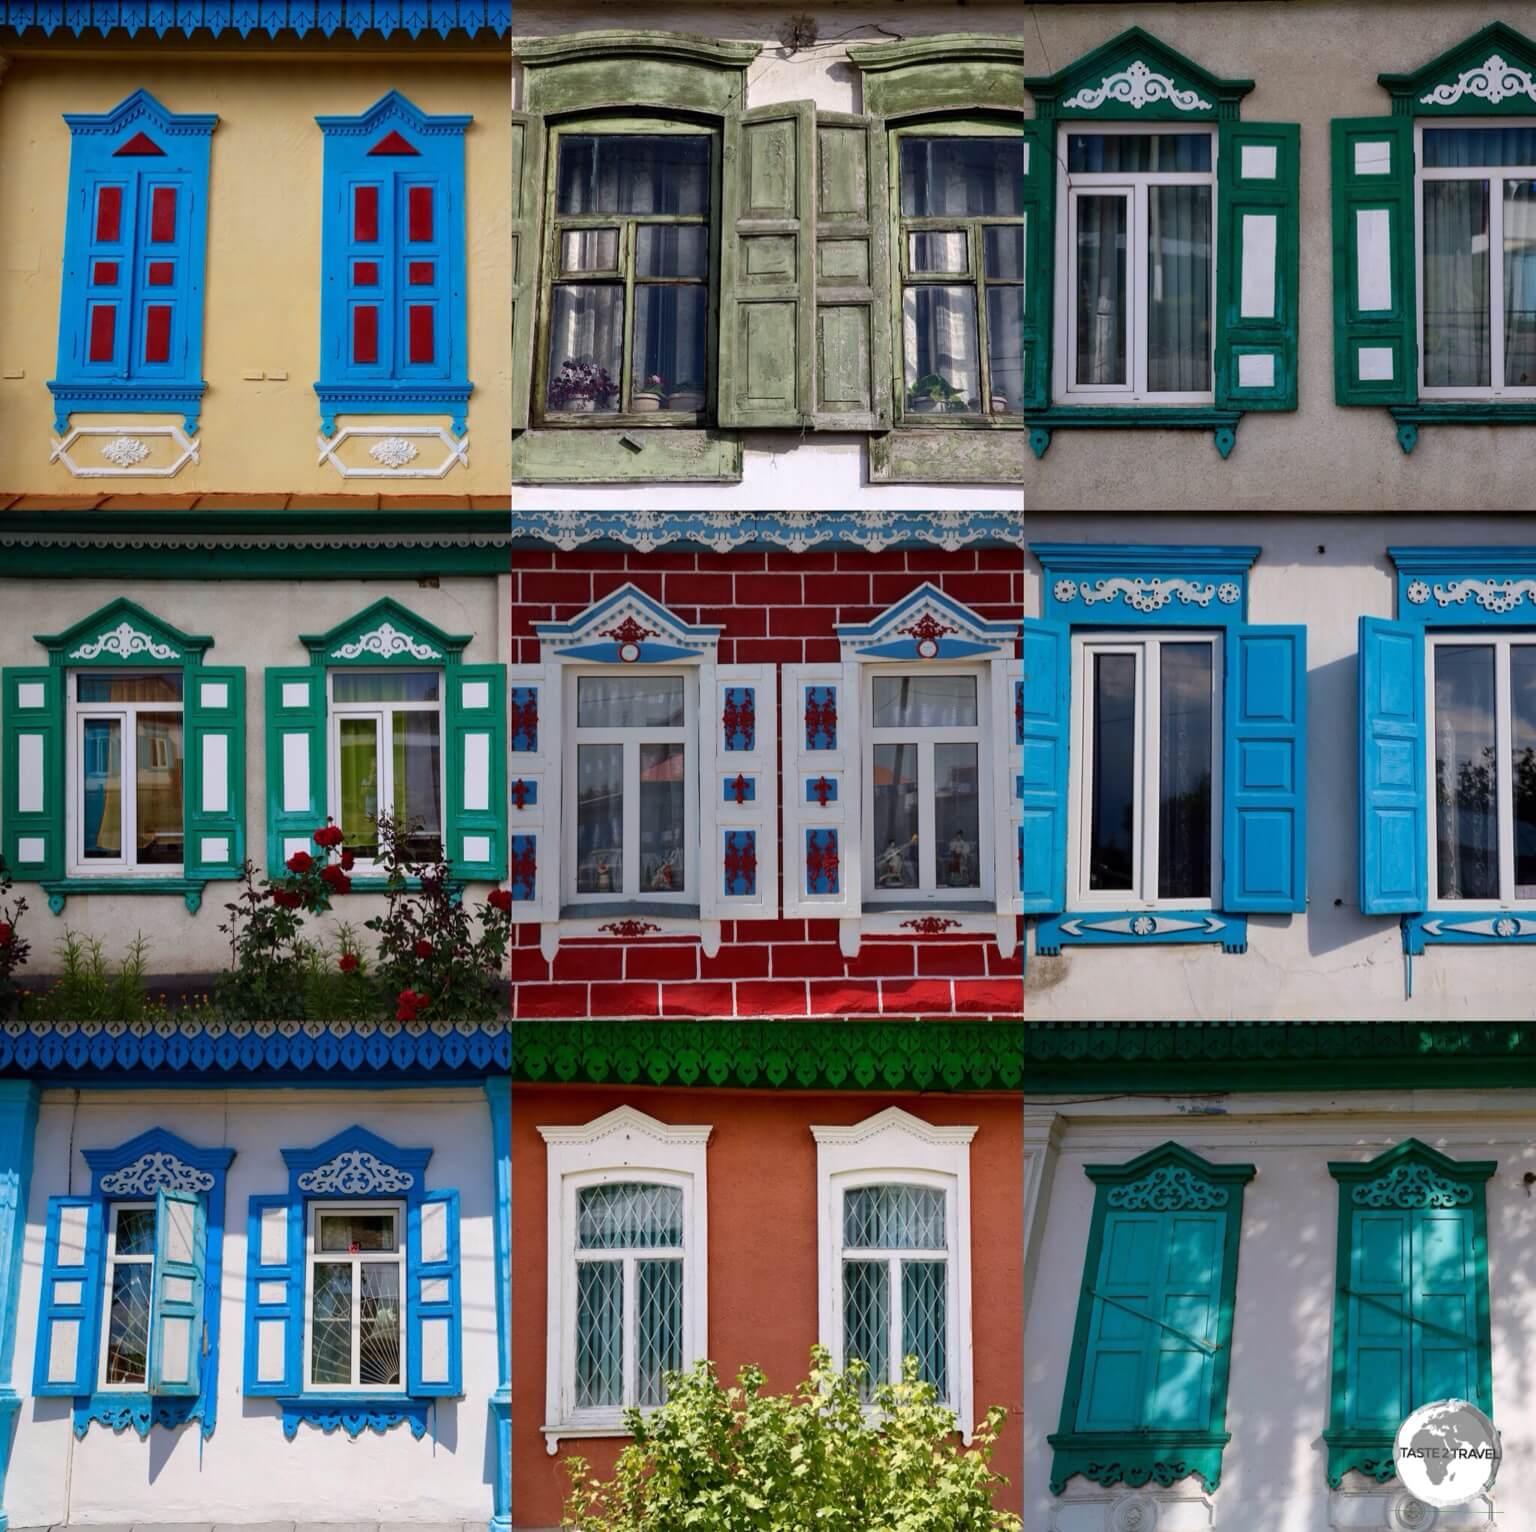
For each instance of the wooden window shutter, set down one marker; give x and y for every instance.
(527, 205)
(215, 772)
(32, 771)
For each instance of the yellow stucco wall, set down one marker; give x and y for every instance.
(262, 290)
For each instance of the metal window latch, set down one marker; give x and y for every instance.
(1162, 1324)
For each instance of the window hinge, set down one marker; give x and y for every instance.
(1162, 1324)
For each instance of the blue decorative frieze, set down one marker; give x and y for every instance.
(135, 1412)
(354, 1416)
(1111, 928)
(927, 624)
(1125, 585)
(628, 627)
(1467, 928)
(1465, 587)
(388, 18)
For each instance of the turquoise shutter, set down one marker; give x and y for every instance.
(296, 781)
(1039, 219)
(1258, 263)
(1375, 353)
(1189, 1304)
(434, 1310)
(477, 771)
(215, 772)
(1394, 811)
(1264, 759)
(1445, 1305)
(69, 1317)
(32, 769)
(274, 1298)
(1046, 694)
(1379, 1363)
(1118, 1361)
(176, 1305)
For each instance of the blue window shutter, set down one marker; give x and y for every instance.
(434, 1312)
(1264, 805)
(32, 772)
(176, 1305)
(1047, 691)
(1380, 1388)
(296, 779)
(1445, 1362)
(1394, 811)
(476, 769)
(1118, 1359)
(274, 1298)
(215, 772)
(69, 1319)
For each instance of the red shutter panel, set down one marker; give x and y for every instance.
(157, 332)
(365, 334)
(162, 215)
(109, 214)
(103, 332)
(365, 214)
(420, 215)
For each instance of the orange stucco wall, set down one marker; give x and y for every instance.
(762, 1250)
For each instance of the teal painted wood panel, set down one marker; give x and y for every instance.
(1394, 810)
(1445, 1305)
(1380, 1359)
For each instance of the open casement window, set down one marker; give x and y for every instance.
(1161, 240)
(128, 1326)
(1411, 1315)
(131, 317)
(628, 1255)
(124, 760)
(643, 777)
(387, 719)
(893, 1214)
(1146, 1393)
(1163, 789)
(353, 1288)
(394, 337)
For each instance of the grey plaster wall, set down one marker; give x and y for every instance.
(1311, 61)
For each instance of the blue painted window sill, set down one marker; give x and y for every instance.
(394, 399)
(1168, 417)
(1140, 928)
(184, 399)
(190, 889)
(356, 1413)
(1470, 928)
(138, 1412)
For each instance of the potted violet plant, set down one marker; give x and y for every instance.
(581, 387)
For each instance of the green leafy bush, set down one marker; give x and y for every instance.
(91, 988)
(714, 1459)
(13, 949)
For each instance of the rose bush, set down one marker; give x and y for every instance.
(13, 949)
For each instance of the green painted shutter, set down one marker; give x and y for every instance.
(176, 1303)
(853, 275)
(296, 781)
(32, 765)
(1375, 354)
(215, 772)
(477, 771)
(767, 267)
(1118, 1361)
(1039, 252)
(1189, 1305)
(1379, 1364)
(527, 206)
(1445, 1304)
(1258, 264)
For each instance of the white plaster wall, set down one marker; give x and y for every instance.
(1330, 962)
(255, 624)
(1274, 1470)
(780, 470)
(247, 1471)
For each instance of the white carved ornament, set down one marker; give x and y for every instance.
(125, 641)
(124, 452)
(1490, 81)
(1135, 86)
(394, 449)
(157, 1172)
(387, 642)
(1148, 595)
(394, 452)
(1492, 595)
(356, 1173)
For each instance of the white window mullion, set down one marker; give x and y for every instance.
(1503, 755)
(1150, 777)
(1496, 282)
(1135, 299)
(926, 818)
(894, 1359)
(629, 1325)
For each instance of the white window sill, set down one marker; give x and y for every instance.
(575, 1431)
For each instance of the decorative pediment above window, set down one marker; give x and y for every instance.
(656, 68)
(926, 73)
(123, 633)
(1492, 73)
(153, 1162)
(928, 625)
(628, 628)
(1158, 585)
(383, 120)
(148, 116)
(1169, 1179)
(1466, 587)
(357, 1163)
(1136, 77)
(386, 633)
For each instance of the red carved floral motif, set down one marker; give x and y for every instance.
(820, 716)
(821, 863)
(739, 718)
(739, 789)
(929, 925)
(926, 633)
(525, 719)
(823, 790)
(628, 928)
(741, 862)
(525, 864)
(520, 793)
(629, 632)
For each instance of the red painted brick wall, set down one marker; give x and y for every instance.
(778, 608)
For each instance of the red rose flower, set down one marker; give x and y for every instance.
(347, 860)
(336, 880)
(347, 962)
(285, 898)
(5, 933)
(300, 861)
(501, 899)
(407, 1003)
(329, 836)
(423, 949)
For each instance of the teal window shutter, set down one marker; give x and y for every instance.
(215, 777)
(296, 782)
(1264, 762)
(1394, 806)
(274, 1298)
(477, 771)
(1380, 1302)
(1375, 353)
(32, 770)
(176, 1308)
(1039, 250)
(69, 1321)
(1258, 264)
(434, 1311)
(1046, 702)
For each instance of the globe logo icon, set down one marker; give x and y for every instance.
(1447, 1453)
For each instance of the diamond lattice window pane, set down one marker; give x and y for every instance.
(135, 1231)
(658, 1327)
(924, 1316)
(867, 1319)
(630, 1216)
(599, 1334)
(128, 1328)
(331, 1325)
(378, 1346)
(893, 1218)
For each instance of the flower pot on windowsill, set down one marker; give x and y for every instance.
(686, 399)
(645, 403)
(1000, 405)
(577, 406)
(924, 406)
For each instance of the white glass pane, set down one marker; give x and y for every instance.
(599, 1334)
(1514, 144)
(351, 1232)
(937, 250)
(1097, 153)
(957, 816)
(1184, 749)
(1466, 773)
(629, 702)
(1179, 288)
(386, 685)
(1522, 709)
(1456, 313)
(379, 1321)
(1112, 794)
(663, 790)
(1520, 284)
(101, 781)
(1101, 290)
(943, 372)
(586, 349)
(668, 360)
(417, 769)
(894, 1218)
(867, 1320)
(128, 1324)
(158, 788)
(658, 1327)
(895, 816)
(924, 1321)
(135, 1229)
(671, 250)
(360, 784)
(630, 1216)
(600, 819)
(961, 177)
(633, 173)
(330, 1324)
(589, 250)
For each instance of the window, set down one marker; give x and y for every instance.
(1148, 755)
(129, 1280)
(929, 798)
(355, 1260)
(961, 239)
(628, 1267)
(126, 733)
(631, 273)
(387, 742)
(1140, 271)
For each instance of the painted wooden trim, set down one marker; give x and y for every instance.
(635, 455)
(911, 455)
